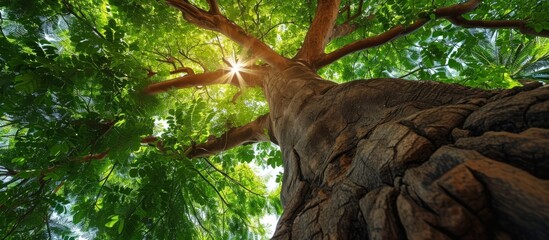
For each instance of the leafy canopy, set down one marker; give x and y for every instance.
(74, 124)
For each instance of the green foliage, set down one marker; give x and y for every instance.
(72, 71)
(71, 75)
(442, 52)
(511, 57)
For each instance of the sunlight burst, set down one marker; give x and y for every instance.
(236, 67)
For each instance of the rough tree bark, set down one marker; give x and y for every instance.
(395, 159)
(389, 158)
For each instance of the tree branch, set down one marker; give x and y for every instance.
(214, 7)
(452, 13)
(231, 178)
(214, 21)
(90, 157)
(519, 25)
(358, 12)
(342, 30)
(348, 26)
(96, 156)
(186, 55)
(248, 76)
(187, 70)
(457, 9)
(370, 42)
(256, 131)
(152, 139)
(213, 187)
(70, 8)
(103, 185)
(320, 31)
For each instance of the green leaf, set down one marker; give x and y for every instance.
(55, 150)
(120, 226)
(538, 27)
(77, 218)
(27, 82)
(120, 123)
(28, 174)
(546, 25)
(454, 64)
(113, 219)
(18, 161)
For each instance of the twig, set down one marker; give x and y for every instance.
(103, 184)
(230, 178)
(70, 9)
(213, 187)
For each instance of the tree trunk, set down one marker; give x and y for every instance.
(396, 159)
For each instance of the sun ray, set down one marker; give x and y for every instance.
(236, 68)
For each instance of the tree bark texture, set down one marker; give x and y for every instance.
(396, 159)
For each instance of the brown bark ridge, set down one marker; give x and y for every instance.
(396, 159)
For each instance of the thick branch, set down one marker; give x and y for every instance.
(256, 131)
(249, 76)
(320, 30)
(457, 9)
(370, 42)
(519, 25)
(452, 13)
(214, 7)
(213, 20)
